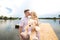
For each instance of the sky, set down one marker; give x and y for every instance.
(43, 8)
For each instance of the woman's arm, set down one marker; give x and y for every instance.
(36, 22)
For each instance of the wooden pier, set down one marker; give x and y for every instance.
(47, 32)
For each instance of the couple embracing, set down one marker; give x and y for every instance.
(29, 26)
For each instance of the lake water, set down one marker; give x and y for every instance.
(9, 32)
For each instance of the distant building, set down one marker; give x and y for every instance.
(59, 20)
(59, 16)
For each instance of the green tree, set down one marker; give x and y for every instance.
(54, 17)
(10, 18)
(5, 18)
(1, 17)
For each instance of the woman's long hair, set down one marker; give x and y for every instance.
(34, 16)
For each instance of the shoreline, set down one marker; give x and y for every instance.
(21, 18)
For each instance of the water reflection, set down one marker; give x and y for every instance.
(8, 28)
(8, 31)
(59, 21)
(54, 20)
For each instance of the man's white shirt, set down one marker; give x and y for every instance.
(23, 23)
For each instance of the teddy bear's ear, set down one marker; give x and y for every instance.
(29, 25)
(37, 28)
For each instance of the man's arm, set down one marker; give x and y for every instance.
(20, 29)
(21, 25)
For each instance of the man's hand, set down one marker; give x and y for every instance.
(20, 30)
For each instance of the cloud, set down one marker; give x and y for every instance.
(11, 5)
(44, 7)
(9, 10)
(41, 7)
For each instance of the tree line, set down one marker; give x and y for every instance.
(14, 18)
(9, 18)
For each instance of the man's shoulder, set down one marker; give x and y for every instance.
(23, 18)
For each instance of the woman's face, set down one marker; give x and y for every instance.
(32, 15)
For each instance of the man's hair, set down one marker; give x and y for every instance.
(26, 10)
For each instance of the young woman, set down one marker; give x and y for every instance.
(33, 27)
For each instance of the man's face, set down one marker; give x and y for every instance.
(27, 14)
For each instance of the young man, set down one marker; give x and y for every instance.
(23, 23)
